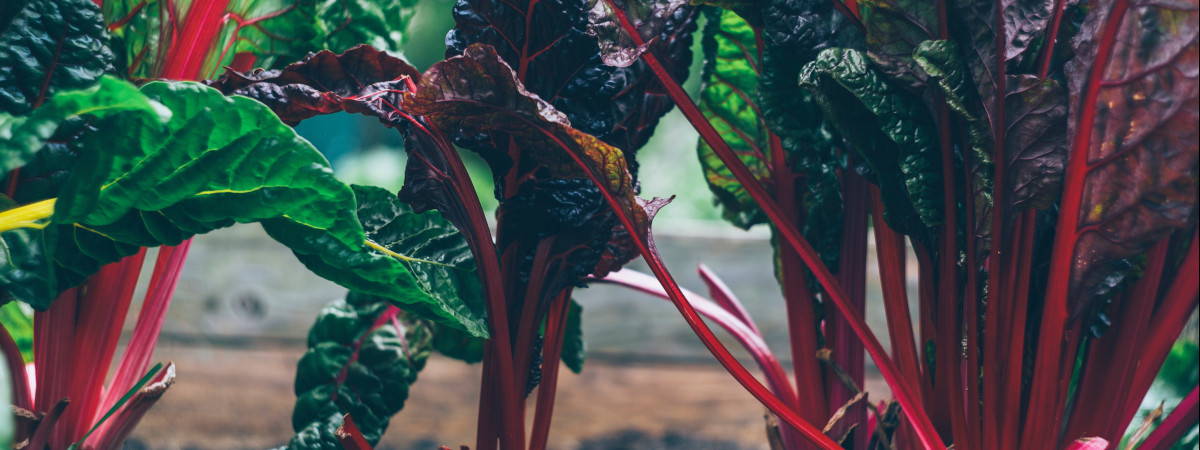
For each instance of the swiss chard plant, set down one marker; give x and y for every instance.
(98, 169)
(1039, 159)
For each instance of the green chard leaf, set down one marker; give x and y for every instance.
(727, 99)
(888, 129)
(423, 246)
(343, 24)
(48, 46)
(363, 355)
(574, 350)
(23, 136)
(142, 179)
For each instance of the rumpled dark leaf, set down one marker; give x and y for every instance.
(893, 30)
(648, 17)
(477, 94)
(1036, 141)
(889, 130)
(548, 44)
(1138, 136)
(975, 26)
(48, 46)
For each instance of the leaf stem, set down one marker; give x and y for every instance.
(556, 320)
(1054, 312)
(911, 407)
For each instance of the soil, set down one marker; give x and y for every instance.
(233, 397)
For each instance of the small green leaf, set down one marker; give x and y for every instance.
(17, 319)
(362, 357)
(574, 351)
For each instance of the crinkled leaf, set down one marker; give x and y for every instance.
(574, 351)
(975, 25)
(889, 129)
(48, 46)
(21, 137)
(1134, 130)
(940, 61)
(141, 181)
(648, 17)
(423, 246)
(1036, 141)
(344, 24)
(362, 357)
(361, 80)
(794, 32)
(728, 99)
(893, 30)
(477, 94)
(560, 62)
(366, 81)
(318, 435)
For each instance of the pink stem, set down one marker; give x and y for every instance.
(99, 318)
(140, 350)
(750, 339)
(900, 386)
(16, 369)
(724, 297)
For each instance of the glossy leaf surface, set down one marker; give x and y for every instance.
(363, 355)
(47, 46)
(1134, 133)
(548, 44)
(142, 180)
(477, 94)
(23, 136)
(888, 129)
(728, 99)
(574, 350)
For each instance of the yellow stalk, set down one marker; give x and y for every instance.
(33, 215)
